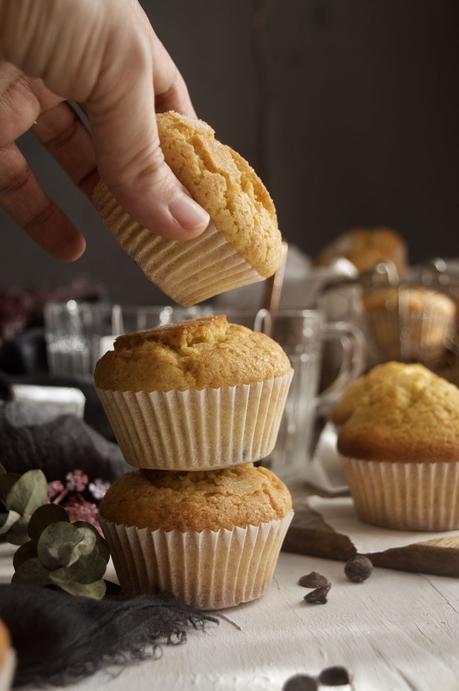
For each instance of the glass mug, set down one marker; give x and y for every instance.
(79, 333)
(302, 334)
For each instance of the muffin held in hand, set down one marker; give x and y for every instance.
(195, 395)
(242, 244)
(366, 247)
(410, 323)
(400, 448)
(210, 538)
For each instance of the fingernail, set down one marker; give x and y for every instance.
(188, 213)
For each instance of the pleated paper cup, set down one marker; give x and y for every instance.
(208, 569)
(205, 429)
(188, 272)
(405, 496)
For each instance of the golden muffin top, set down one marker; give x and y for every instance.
(238, 496)
(411, 301)
(194, 354)
(357, 390)
(224, 184)
(366, 247)
(404, 413)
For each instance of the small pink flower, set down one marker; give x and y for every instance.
(82, 511)
(54, 489)
(76, 481)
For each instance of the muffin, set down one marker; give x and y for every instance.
(212, 539)
(242, 244)
(194, 395)
(381, 374)
(409, 323)
(400, 449)
(366, 247)
(7, 659)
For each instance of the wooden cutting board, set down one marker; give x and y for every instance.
(310, 534)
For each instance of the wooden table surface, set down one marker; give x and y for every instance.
(395, 632)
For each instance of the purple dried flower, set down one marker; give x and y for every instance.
(54, 489)
(99, 488)
(76, 481)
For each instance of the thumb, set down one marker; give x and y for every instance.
(121, 111)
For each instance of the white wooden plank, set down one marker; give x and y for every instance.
(395, 632)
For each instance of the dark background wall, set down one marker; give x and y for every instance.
(349, 110)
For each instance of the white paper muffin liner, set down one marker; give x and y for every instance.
(188, 272)
(208, 569)
(205, 429)
(405, 496)
(7, 670)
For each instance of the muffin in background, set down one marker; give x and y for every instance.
(400, 449)
(409, 323)
(242, 244)
(212, 539)
(7, 659)
(195, 395)
(366, 247)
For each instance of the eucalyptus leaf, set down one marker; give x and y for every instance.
(85, 570)
(28, 492)
(95, 590)
(61, 544)
(7, 481)
(24, 552)
(31, 571)
(103, 548)
(2, 470)
(18, 534)
(9, 519)
(43, 517)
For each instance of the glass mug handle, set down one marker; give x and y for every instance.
(353, 347)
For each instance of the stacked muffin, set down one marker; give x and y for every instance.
(193, 405)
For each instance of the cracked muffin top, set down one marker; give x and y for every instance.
(408, 415)
(199, 353)
(154, 499)
(224, 184)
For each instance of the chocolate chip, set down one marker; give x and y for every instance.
(300, 682)
(358, 569)
(318, 596)
(313, 580)
(334, 676)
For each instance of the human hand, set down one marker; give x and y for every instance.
(104, 55)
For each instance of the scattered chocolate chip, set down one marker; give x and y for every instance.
(334, 676)
(318, 596)
(300, 682)
(358, 569)
(313, 580)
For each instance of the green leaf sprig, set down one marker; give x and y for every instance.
(20, 496)
(70, 556)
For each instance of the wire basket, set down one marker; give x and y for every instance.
(410, 321)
